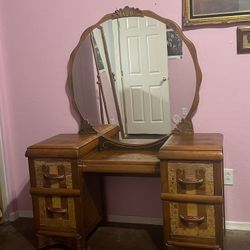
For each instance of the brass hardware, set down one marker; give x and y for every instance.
(192, 219)
(54, 177)
(190, 181)
(57, 210)
(164, 79)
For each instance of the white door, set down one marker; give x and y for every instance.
(144, 65)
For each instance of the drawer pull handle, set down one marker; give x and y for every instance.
(57, 210)
(192, 219)
(190, 181)
(54, 177)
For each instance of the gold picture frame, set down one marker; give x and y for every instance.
(209, 12)
(243, 40)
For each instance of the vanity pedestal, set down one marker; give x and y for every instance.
(192, 191)
(66, 207)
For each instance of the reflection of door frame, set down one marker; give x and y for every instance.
(112, 81)
(102, 99)
(3, 188)
(119, 73)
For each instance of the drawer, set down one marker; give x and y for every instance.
(53, 174)
(55, 212)
(190, 178)
(190, 222)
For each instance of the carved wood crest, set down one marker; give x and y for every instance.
(127, 12)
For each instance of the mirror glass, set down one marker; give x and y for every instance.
(137, 73)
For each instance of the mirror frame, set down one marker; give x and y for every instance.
(185, 126)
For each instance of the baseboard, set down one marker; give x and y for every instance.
(230, 225)
(22, 213)
(238, 225)
(135, 219)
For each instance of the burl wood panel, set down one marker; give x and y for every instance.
(46, 170)
(203, 172)
(50, 215)
(204, 229)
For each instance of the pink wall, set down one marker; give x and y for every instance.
(37, 38)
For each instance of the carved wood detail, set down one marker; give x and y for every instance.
(86, 128)
(127, 12)
(76, 243)
(184, 127)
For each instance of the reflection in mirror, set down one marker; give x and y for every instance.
(145, 77)
(84, 77)
(106, 76)
(142, 88)
(182, 85)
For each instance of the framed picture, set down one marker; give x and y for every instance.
(207, 12)
(243, 40)
(174, 44)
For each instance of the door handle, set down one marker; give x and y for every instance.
(164, 79)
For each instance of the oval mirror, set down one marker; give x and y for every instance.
(139, 71)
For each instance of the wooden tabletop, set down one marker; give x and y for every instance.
(69, 145)
(198, 146)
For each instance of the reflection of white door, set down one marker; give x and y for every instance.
(144, 65)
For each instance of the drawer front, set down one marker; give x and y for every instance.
(191, 178)
(53, 174)
(56, 212)
(191, 220)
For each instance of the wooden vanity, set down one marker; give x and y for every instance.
(140, 89)
(66, 186)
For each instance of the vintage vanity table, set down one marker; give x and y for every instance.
(143, 104)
